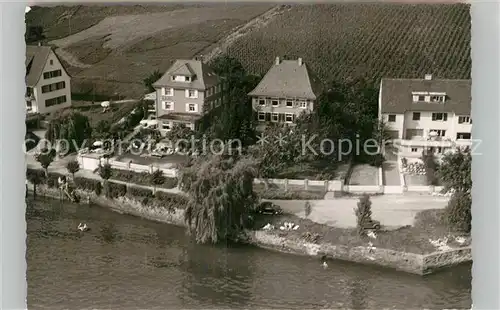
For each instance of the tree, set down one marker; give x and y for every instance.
(363, 214)
(35, 178)
(455, 170)
(73, 167)
(151, 79)
(157, 178)
(105, 171)
(45, 158)
(221, 197)
(70, 126)
(178, 133)
(307, 208)
(102, 130)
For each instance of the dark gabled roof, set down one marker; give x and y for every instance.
(204, 76)
(36, 58)
(397, 95)
(288, 79)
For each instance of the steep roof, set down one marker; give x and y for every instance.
(288, 79)
(204, 76)
(397, 95)
(36, 58)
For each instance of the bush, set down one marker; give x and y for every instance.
(98, 188)
(115, 190)
(86, 184)
(170, 201)
(170, 183)
(141, 178)
(140, 192)
(457, 214)
(36, 174)
(376, 160)
(364, 215)
(52, 180)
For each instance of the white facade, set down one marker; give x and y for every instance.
(52, 92)
(414, 130)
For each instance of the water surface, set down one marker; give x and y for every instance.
(129, 263)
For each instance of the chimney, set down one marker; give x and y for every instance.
(428, 77)
(277, 61)
(300, 62)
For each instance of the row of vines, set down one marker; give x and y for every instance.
(340, 41)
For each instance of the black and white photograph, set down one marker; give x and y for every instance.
(240, 155)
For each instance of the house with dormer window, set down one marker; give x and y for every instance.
(287, 90)
(187, 92)
(426, 113)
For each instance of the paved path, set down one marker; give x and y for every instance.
(390, 210)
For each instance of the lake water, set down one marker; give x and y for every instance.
(129, 263)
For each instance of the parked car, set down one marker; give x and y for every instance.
(268, 208)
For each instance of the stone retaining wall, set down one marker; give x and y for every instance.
(403, 261)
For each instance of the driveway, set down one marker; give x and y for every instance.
(391, 210)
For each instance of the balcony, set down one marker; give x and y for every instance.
(432, 142)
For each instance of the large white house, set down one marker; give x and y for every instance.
(47, 82)
(426, 113)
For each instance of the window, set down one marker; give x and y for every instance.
(439, 150)
(463, 135)
(168, 92)
(174, 77)
(275, 102)
(262, 102)
(52, 74)
(166, 126)
(54, 101)
(464, 120)
(29, 91)
(187, 79)
(439, 132)
(53, 87)
(303, 104)
(414, 149)
(191, 93)
(275, 117)
(51, 62)
(392, 118)
(261, 116)
(289, 118)
(416, 116)
(167, 105)
(421, 98)
(191, 107)
(440, 117)
(437, 98)
(209, 91)
(289, 104)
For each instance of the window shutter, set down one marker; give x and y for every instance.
(163, 91)
(196, 94)
(187, 107)
(187, 93)
(195, 107)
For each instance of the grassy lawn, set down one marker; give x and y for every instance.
(294, 192)
(364, 175)
(413, 239)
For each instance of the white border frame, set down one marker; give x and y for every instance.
(485, 173)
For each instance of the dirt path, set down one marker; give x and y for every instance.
(70, 59)
(256, 23)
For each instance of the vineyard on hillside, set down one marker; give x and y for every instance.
(340, 41)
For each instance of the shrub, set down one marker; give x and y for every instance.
(170, 200)
(98, 188)
(457, 214)
(307, 208)
(376, 160)
(115, 190)
(53, 179)
(140, 192)
(170, 183)
(86, 184)
(36, 175)
(364, 214)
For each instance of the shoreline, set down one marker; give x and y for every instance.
(419, 264)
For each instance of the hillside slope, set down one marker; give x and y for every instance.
(339, 41)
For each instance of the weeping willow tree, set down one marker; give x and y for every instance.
(72, 127)
(221, 197)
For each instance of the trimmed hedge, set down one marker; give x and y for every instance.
(141, 178)
(281, 194)
(115, 190)
(88, 185)
(140, 192)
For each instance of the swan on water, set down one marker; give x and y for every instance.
(325, 265)
(83, 227)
